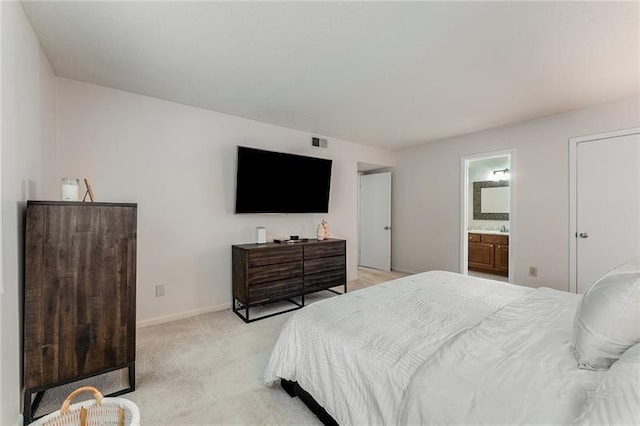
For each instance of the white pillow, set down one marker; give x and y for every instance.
(607, 322)
(616, 399)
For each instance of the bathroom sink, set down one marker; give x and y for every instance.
(484, 231)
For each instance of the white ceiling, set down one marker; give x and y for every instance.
(387, 74)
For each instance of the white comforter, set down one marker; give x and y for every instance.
(357, 353)
(436, 348)
(515, 367)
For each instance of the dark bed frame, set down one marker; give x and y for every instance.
(294, 389)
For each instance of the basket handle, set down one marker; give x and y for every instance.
(67, 402)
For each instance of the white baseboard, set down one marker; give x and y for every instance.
(181, 315)
(404, 271)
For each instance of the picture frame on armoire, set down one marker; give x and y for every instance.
(88, 192)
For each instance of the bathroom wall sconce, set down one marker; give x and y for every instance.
(501, 175)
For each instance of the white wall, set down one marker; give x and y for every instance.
(426, 202)
(28, 172)
(178, 163)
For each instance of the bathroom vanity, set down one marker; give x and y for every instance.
(489, 252)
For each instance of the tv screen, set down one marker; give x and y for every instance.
(275, 182)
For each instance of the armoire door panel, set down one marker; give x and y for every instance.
(80, 290)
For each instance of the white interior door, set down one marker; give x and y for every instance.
(375, 221)
(607, 205)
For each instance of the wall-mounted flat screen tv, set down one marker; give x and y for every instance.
(276, 182)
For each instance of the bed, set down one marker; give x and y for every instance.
(444, 348)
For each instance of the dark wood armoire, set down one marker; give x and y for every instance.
(79, 294)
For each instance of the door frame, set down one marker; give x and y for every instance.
(573, 193)
(464, 203)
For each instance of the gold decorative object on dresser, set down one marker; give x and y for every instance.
(489, 253)
(79, 294)
(271, 272)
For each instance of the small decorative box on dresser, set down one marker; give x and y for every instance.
(79, 295)
(271, 272)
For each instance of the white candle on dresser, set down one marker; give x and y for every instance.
(70, 189)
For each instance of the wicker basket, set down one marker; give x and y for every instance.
(100, 411)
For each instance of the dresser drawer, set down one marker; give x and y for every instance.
(278, 271)
(314, 266)
(324, 280)
(271, 255)
(275, 290)
(325, 249)
(474, 238)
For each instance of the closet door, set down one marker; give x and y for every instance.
(375, 221)
(607, 205)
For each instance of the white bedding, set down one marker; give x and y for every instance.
(436, 347)
(516, 367)
(356, 353)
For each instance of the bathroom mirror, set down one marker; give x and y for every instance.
(491, 200)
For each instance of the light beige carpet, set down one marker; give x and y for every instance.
(208, 369)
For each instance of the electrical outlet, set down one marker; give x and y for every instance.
(533, 271)
(160, 290)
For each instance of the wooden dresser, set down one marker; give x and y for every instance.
(79, 294)
(489, 253)
(271, 272)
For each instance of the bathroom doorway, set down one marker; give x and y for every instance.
(487, 215)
